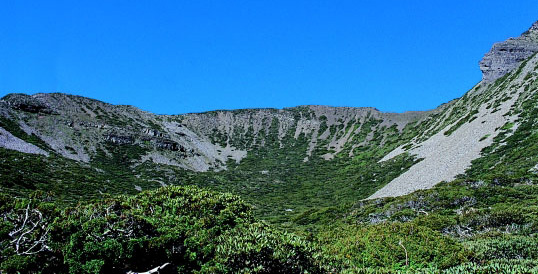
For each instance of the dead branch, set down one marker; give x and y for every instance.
(151, 271)
(406, 256)
(30, 233)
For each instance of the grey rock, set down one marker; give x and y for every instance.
(7, 140)
(26, 103)
(119, 139)
(508, 55)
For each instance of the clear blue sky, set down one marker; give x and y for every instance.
(190, 56)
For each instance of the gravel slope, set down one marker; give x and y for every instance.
(7, 140)
(444, 157)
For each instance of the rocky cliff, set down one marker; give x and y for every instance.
(508, 55)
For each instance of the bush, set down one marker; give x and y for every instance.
(192, 230)
(504, 247)
(256, 248)
(386, 245)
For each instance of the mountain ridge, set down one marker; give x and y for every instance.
(57, 103)
(360, 142)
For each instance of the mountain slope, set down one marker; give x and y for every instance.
(284, 161)
(450, 151)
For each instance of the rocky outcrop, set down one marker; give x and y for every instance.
(508, 55)
(119, 139)
(26, 103)
(78, 128)
(153, 132)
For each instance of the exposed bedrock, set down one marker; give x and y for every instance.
(508, 55)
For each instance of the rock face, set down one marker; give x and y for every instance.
(506, 56)
(27, 103)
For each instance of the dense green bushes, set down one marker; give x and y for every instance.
(195, 231)
(504, 247)
(496, 266)
(200, 231)
(256, 248)
(393, 245)
(494, 221)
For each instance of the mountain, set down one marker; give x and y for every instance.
(304, 168)
(295, 150)
(446, 139)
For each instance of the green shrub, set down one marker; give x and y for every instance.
(386, 245)
(256, 248)
(194, 230)
(504, 247)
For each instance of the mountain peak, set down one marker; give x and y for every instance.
(508, 55)
(532, 31)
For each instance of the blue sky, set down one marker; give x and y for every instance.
(175, 57)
